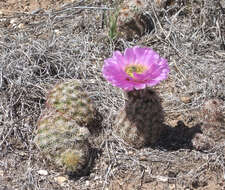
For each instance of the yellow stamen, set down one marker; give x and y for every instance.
(139, 69)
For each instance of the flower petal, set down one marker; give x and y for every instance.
(129, 56)
(156, 68)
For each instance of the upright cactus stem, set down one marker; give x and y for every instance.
(141, 122)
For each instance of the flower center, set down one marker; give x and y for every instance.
(139, 69)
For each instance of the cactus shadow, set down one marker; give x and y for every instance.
(95, 127)
(178, 137)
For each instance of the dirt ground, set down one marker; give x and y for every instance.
(43, 42)
(11, 7)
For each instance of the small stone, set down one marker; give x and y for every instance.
(172, 186)
(13, 21)
(21, 25)
(185, 99)
(143, 158)
(60, 180)
(58, 32)
(96, 178)
(162, 178)
(1, 173)
(87, 183)
(42, 172)
(1, 12)
(130, 152)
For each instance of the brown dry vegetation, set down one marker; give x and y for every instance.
(44, 43)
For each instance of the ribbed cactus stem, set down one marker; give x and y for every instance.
(69, 99)
(140, 123)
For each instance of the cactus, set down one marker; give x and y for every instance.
(202, 142)
(141, 122)
(62, 141)
(213, 125)
(75, 161)
(213, 119)
(212, 112)
(132, 21)
(72, 102)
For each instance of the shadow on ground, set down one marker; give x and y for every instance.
(178, 137)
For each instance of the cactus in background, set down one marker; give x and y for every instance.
(211, 112)
(62, 141)
(69, 99)
(202, 142)
(141, 122)
(213, 125)
(213, 119)
(132, 20)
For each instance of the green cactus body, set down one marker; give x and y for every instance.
(141, 122)
(63, 141)
(69, 99)
(74, 161)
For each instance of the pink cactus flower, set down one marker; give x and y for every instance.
(136, 69)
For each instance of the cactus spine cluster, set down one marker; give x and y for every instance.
(72, 102)
(141, 122)
(62, 133)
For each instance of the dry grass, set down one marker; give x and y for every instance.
(71, 42)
